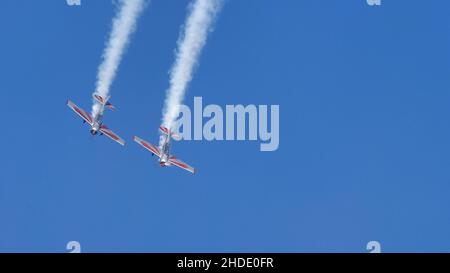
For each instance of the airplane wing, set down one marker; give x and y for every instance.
(106, 131)
(148, 146)
(175, 161)
(83, 114)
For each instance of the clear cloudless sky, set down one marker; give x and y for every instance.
(364, 130)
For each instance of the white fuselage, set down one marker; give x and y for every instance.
(165, 152)
(97, 122)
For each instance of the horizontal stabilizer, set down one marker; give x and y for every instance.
(104, 101)
(167, 132)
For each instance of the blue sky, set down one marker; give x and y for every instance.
(364, 130)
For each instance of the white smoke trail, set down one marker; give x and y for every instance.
(190, 44)
(123, 26)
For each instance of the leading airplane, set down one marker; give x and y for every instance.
(165, 158)
(96, 122)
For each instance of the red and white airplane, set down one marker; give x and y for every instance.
(96, 122)
(165, 158)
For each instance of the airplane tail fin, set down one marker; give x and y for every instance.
(104, 101)
(167, 132)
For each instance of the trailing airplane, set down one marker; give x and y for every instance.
(165, 158)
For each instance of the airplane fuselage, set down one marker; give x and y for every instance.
(165, 152)
(96, 124)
